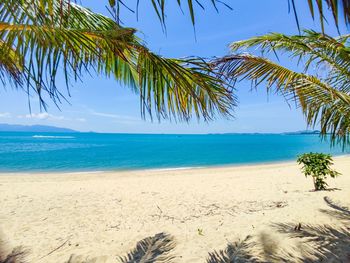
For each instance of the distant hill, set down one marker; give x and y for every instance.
(306, 132)
(31, 128)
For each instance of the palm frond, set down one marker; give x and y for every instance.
(59, 37)
(180, 87)
(10, 65)
(152, 249)
(302, 87)
(48, 40)
(337, 8)
(159, 7)
(313, 47)
(322, 91)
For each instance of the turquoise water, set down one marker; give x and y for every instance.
(26, 152)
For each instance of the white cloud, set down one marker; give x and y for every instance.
(116, 116)
(5, 115)
(48, 116)
(41, 116)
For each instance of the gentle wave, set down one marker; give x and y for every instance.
(176, 168)
(84, 172)
(53, 137)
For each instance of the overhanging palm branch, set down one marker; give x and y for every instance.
(338, 8)
(159, 6)
(10, 64)
(323, 92)
(48, 38)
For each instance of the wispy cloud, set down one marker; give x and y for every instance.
(5, 115)
(41, 116)
(48, 116)
(116, 117)
(81, 119)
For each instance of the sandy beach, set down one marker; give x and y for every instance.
(105, 214)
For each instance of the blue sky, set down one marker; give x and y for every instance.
(103, 105)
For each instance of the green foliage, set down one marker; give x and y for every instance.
(159, 7)
(323, 93)
(338, 8)
(318, 166)
(42, 39)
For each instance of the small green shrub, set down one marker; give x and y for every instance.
(318, 166)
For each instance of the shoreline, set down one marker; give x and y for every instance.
(170, 169)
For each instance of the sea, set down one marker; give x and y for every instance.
(81, 152)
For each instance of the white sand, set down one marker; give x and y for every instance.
(106, 213)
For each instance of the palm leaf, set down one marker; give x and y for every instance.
(10, 65)
(337, 8)
(55, 37)
(159, 7)
(322, 102)
(313, 47)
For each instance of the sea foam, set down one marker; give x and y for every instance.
(52, 137)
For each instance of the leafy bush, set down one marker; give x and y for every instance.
(318, 166)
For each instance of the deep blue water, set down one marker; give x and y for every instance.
(25, 152)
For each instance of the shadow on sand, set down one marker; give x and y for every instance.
(315, 243)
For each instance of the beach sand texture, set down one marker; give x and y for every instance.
(104, 214)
